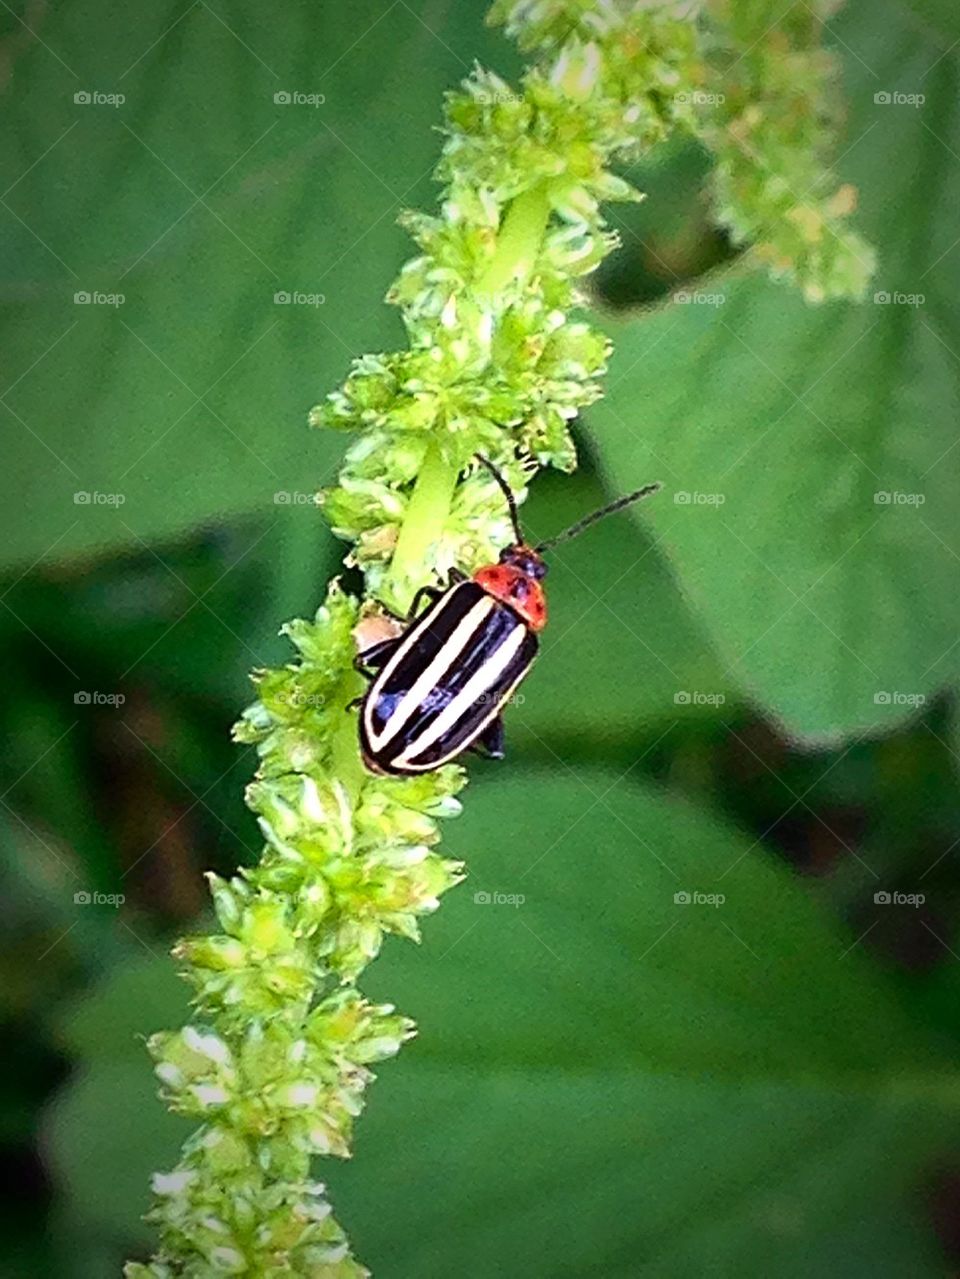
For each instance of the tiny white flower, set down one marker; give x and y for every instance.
(211, 1094)
(319, 1140)
(577, 70)
(313, 805)
(448, 316)
(228, 1259)
(171, 1183)
(208, 1045)
(302, 1094)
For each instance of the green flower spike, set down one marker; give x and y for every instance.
(275, 1065)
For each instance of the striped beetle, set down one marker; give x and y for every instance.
(438, 689)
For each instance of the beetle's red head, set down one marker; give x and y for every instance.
(515, 580)
(526, 559)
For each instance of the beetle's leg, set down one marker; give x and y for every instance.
(375, 657)
(432, 593)
(429, 592)
(490, 741)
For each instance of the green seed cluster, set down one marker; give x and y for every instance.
(275, 1063)
(776, 111)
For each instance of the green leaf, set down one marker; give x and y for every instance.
(106, 1135)
(609, 1082)
(605, 1079)
(106, 1132)
(779, 427)
(940, 18)
(199, 198)
(624, 653)
(108, 1024)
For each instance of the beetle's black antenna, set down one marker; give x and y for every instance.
(575, 529)
(507, 493)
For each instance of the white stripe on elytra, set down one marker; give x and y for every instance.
(422, 623)
(454, 751)
(475, 687)
(415, 694)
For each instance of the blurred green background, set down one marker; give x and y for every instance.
(745, 694)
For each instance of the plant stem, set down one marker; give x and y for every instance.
(423, 524)
(347, 765)
(518, 242)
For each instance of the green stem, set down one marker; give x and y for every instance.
(347, 765)
(518, 242)
(423, 524)
(518, 245)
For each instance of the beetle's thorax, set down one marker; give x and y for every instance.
(517, 581)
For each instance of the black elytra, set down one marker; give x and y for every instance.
(439, 688)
